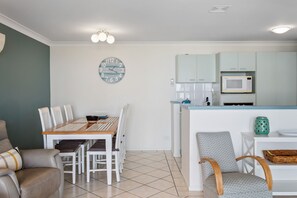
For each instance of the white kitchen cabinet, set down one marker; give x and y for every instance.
(206, 68)
(238, 61)
(284, 175)
(186, 68)
(196, 68)
(276, 82)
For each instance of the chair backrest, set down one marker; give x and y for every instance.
(4, 141)
(45, 118)
(218, 146)
(68, 112)
(126, 108)
(120, 129)
(57, 115)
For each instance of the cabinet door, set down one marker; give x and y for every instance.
(186, 68)
(276, 82)
(286, 85)
(228, 61)
(206, 68)
(266, 78)
(246, 61)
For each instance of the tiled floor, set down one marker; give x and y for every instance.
(153, 174)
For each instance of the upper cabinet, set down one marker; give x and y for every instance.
(196, 68)
(276, 78)
(237, 61)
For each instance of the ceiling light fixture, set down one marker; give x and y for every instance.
(102, 36)
(281, 29)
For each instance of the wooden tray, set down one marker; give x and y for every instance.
(281, 156)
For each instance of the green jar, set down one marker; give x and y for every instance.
(262, 125)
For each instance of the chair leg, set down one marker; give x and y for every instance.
(73, 168)
(83, 158)
(88, 167)
(117, 167)
(79, 161)
(94, 163)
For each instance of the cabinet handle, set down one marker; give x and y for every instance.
(233, 68)
(192, 79)
(242, 68)
(201, 79)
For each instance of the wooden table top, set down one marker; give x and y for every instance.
(87, 128)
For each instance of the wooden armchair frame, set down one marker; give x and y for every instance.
(218, 173)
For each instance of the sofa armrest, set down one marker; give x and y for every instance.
(9, 185)
(39, 158)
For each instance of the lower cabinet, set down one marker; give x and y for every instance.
(276, 82)
(284, 175)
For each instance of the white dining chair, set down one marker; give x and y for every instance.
(65, 151)
(98, 152)
(124, 136)
(57, 115)
(68, 112)
(46, 121)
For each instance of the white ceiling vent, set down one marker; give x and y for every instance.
(219, 8)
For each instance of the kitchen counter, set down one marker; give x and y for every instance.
(198, 107)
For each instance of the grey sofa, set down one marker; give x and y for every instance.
(41, 176)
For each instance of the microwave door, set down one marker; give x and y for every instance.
(233, 85)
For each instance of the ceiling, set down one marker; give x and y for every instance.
(154, 20)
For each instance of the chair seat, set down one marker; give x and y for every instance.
(38, 182)
(235, 183)
(76, 141)
(100, 146)
(66, 147)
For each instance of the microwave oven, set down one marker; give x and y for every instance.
(237, 84)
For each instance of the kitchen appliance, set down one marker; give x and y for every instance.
(237, 84)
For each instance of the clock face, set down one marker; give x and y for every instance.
(112, 70)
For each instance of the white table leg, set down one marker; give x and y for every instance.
(44, 142)
(108, 144)
(49, 143)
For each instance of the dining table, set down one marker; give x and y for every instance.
(103, 129)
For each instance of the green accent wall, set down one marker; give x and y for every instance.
(24, 87)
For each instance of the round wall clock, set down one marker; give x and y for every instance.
(112, 70)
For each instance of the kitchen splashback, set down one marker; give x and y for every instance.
(197, 92)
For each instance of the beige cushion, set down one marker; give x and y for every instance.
(38, 182)
(5, 145)
(11, 159)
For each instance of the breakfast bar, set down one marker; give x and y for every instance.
(235, 119)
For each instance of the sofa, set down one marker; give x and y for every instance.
(41, 175)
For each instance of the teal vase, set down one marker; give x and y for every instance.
(262, 125)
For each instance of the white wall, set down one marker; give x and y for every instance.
(146, 85)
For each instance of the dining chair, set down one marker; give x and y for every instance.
(57, 115)
(70, 150)
(124, 137)
(98, 152)
(68, 112)
(220, 171)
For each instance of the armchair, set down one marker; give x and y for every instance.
(221, 174)
(41, 175)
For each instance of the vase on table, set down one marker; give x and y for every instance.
(262, 125)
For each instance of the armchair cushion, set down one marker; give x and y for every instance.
(234, 183)
(5, 145)
(38, 182)
(218, 146)
(36, 158)
(11, 159)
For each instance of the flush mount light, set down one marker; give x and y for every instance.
(110, 39)
(219, 8)
(102, 36)
(281, 29)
